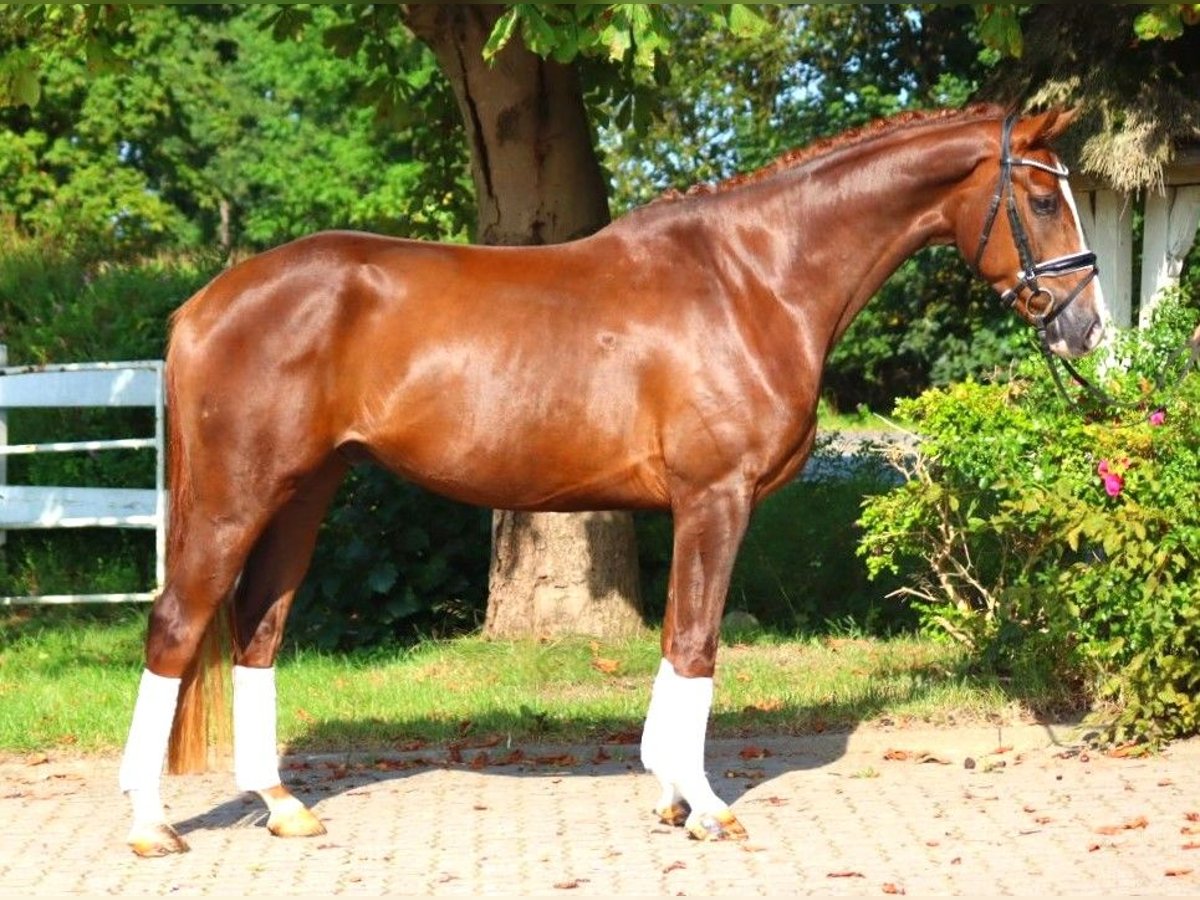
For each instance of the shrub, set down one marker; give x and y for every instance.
(393, 561)
(1030, 531)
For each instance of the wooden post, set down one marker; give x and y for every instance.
(1170, 230)
(1112, 240)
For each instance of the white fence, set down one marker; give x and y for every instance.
(116, 384)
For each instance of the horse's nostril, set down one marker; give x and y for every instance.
(1095, 335)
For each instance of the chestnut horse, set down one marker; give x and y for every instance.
(670, 361)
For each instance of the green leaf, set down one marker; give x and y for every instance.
(999, 28)
(25, 86)
(744, 21)
(1163, 22)
(502, 33)
(344, 40)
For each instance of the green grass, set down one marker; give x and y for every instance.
(68, 680)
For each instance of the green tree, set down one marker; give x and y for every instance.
(195, 127)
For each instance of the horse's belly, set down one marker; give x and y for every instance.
(532, 474)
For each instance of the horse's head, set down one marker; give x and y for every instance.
(1024, 236)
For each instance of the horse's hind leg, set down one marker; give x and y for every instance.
(264, 596)
(198, 581)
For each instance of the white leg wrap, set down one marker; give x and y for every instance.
(673, 739)
(146, 746)
(255, 748)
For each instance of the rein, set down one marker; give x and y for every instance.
(1190, 348)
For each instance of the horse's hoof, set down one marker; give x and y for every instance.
(675, 814)
(156, 840)
(719, 826)
(298, 822)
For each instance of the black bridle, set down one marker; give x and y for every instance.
(1040, 306)
(1043, 313)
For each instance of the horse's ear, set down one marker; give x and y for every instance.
(1041, 129)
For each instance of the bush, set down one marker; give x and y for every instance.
(393, 561)
(1039, 535)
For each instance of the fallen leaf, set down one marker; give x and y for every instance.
(1165, 782)
(1005, 749)
(623, 737)
(569, 885)
(1126, 750)
(752, 752)
(37, 759)
(304, 715)
(678, 864)
(930, 758)
(890, 888)
(1092, 848)
(845, 874)
(479, 760)
(557, 759)
(601, 755)
(607, 666)
(1191, 845)
(1189, 829)
(1192, 816)
(1176, 873)
(1138, 822)
(896, 755)
(512, 757)
(1043, 820)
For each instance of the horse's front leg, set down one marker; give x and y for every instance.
(708, 532)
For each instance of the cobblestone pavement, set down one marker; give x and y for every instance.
(1021, 811)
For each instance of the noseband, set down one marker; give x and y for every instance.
(1031, 270)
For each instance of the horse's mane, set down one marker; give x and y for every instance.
(822, 147)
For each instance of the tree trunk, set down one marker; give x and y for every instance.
(537, 181)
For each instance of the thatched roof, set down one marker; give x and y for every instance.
(1141, 99)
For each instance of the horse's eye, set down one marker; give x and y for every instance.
(1044, 206)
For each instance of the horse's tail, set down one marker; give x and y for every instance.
(202, 712)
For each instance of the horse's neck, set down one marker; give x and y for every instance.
(853, 217)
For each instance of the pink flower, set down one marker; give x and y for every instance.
(1158, 417)
(1112, 478)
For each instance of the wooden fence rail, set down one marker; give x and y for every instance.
(107, 384)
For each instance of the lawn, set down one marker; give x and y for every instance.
(68, 678)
